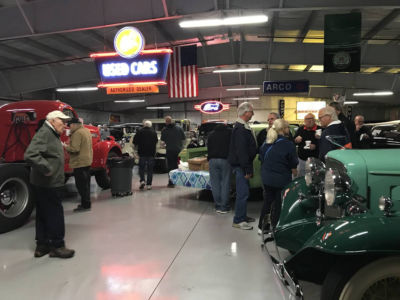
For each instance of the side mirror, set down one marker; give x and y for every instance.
(385, 204)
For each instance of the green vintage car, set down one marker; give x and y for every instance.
(341, 224)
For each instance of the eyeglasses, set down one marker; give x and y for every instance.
(320, 117)
(271, 119)
(309, 119)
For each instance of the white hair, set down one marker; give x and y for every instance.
(147, 123)
(276, 129)
(330, 111)
(243, 108)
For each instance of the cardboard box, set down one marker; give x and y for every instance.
(196, 163)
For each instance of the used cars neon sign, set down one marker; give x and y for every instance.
(211, 107)
(131, 65)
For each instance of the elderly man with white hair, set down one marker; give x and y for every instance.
(45, 155)
(146, 140)
(333, 128)
(242, 151)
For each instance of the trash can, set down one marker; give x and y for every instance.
(121, 175)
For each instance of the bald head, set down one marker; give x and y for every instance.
(309, 120)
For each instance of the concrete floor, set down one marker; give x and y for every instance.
(161, 244)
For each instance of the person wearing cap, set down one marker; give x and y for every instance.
(81, 157)
(146, 140)
(45, 155)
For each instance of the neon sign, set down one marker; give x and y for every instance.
(148, 68)
(128, 42)
(211, 107)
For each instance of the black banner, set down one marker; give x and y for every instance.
(342, 43)
(281, 108)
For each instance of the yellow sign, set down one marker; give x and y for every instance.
(128, 42)
(139, 89)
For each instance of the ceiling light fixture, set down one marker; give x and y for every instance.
(237, 70)
(243, 20)
(246, 98)
(244, 89)
(129, 101)
(158, 107)
(350, 102)
(382, 93)
(78, 89)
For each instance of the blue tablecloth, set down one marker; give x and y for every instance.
(195, 179)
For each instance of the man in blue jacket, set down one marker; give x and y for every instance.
(242, 151)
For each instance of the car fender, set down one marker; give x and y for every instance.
(101, 150)
(358, 234)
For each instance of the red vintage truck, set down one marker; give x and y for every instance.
(18, 124)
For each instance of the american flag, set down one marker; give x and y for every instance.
(182, 73)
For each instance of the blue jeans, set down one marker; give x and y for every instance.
(149, 161)
(220, 175)
(242, 194)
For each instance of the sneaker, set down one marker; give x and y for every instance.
(250, 220)
(41, 250)
(220, 211)
(142, 185)
(148, 187)
(259, 231)
(242, 225)
(62, 252)
(80, 208)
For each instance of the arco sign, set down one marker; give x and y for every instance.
(211, 107)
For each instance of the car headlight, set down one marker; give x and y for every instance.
(336, 183)
(314, 171)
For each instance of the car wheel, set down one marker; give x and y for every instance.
(16, 197)
(379, 279)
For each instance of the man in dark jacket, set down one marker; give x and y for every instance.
(173, 137)
(333, 128)
(220, 170)
(363, 136)
(146, 140)
(45, 155)
(81, 157)
(306, 142)
(348, 124)
(242, 151)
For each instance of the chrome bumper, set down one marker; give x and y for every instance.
(288, 281)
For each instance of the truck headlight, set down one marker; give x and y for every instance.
(314, 171)
(336, 183)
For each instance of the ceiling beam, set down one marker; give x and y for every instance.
(107, 44)
(73, 44)
(381, 24)
(165, 7)
(13, 51)
(307, 25)
(203, 48)
(47, 49)
(164, 32)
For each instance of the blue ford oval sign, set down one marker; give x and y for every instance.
(211, 107)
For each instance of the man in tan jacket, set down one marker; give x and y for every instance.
(81, 157)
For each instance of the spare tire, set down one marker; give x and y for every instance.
(16, 197)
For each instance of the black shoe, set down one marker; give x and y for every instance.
(41, 250)
(250, 219)
(80, 208)
(62, 252)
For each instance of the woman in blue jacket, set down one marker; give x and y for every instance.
(278, 164)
